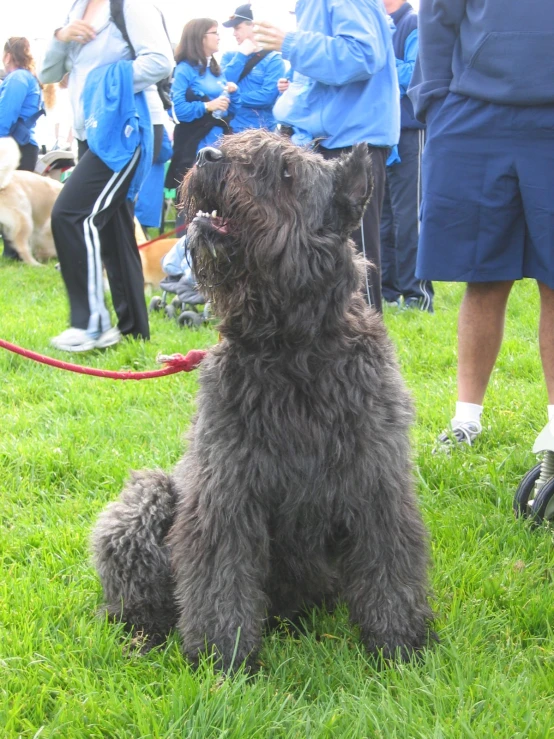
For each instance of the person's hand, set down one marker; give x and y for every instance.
(78, 31)
(220, 103)
(283, 84)
(247, 47)
(268, 37)
(231, 87)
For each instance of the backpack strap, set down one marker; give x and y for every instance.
(251, 63)
(116, 12)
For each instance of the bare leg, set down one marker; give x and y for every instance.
(480, 332)
(546, 337)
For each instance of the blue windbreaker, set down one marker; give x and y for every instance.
(188, 77)
(20, 98)
(117, 120)
(345, 48)
(499, 51)
(258, 90)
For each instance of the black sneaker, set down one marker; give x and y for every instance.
(414, 303)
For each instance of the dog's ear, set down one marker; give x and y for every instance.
(353, 186)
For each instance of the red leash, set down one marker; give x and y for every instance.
(179, 231)
(173, 364)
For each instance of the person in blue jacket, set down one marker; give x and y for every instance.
(352, 96)
(484, 84)
(202, 97)
(400, 216)
(20, 107)
(257, 73)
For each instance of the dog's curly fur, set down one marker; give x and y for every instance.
(297, 486)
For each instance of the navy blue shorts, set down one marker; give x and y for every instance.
(488, 193)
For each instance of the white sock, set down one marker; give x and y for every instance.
(467, 412)
(550, 409)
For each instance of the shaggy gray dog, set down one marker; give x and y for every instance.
(296, 488)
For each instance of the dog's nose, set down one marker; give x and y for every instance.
(208, 155)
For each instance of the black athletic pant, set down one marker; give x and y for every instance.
(28, 162)
(400, 224)
(367, 238)
(92, 223)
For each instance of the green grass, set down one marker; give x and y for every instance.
(67, 443)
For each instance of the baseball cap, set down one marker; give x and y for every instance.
(241, 14)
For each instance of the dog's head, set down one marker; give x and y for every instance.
(269, 224)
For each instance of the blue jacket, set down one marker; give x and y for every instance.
(258, 90)
(149, 204)
(117, 120)
(188, 77)
(405, 43)
(20, 98)
(345, 47)
(492, 50)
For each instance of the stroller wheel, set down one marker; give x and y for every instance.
(177, 302)
(155, 304)
(543, 505)
(170, 311)
(189, 319)
(525, 491)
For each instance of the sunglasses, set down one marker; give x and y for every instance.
(214, 33)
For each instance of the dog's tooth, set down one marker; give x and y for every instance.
(214, 213)
(198, 213)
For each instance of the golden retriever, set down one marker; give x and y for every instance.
(26, 201)
(151, 257)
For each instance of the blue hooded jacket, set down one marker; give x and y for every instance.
(497, 51)
(20, 98)
(117, 120)
(345, 48)
(258, 90)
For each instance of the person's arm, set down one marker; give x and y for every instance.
(153, 55)
(356, 50)
(12, 96)
(439, 27)
(265, 94)
(405, 66)
(232, 64)
(53, 67)
(185, 111)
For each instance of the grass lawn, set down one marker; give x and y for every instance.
(67, 443)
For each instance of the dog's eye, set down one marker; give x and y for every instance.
(285, 173)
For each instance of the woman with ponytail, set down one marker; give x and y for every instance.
(20, 106)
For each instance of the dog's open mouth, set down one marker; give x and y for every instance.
(217, 223)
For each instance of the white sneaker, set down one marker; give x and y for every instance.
(74, 340)
(78, 340)
(108, 338)
(463, 432)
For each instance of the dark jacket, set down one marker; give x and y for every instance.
(500, 51)
(405, 44)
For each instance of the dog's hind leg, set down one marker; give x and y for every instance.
(130, 554)
(20, 235)
(384, 574)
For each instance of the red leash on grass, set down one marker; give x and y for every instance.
(173, 364)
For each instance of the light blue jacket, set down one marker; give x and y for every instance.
(20, 98)
(258, 90)
(345, 48)
(117, 121)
